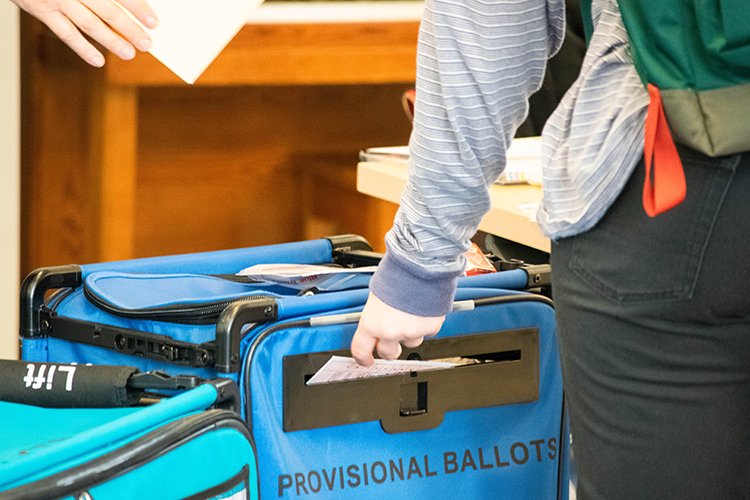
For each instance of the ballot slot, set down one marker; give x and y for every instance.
(493, 368)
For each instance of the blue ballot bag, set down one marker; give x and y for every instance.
(494, 426)
(156, 451)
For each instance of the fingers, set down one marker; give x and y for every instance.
(142, 11)
(102, 20)
(362, 347)
(108, 24)
(68, 33)
(91, 23)
(412, 343)
(386, 328)
(114, 17)
(389, 349)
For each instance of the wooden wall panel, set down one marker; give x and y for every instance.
(125, 169)
(230, 167)
(334, 206)
(59, 191)
(306, 53)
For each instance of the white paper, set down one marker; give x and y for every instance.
(530, 208)
(302, 276)
(192, 33)
(340, 368)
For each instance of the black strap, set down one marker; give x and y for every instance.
(59, 385)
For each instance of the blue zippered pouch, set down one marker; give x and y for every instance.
(181, 298)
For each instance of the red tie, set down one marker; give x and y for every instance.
(667, 187)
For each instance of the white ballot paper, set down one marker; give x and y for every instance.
(302, 276)
(340, 368)
(192, 33)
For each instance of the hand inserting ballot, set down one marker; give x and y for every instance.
(386, 328)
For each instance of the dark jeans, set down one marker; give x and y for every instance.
(654, 324)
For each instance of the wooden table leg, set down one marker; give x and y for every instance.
(114, 137)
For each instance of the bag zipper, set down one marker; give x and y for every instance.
(193, 314)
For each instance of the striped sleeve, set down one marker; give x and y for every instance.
(478, 61)
(595, 138)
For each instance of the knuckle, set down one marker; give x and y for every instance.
(393, 337)
(398, 335)
(67, 33)
(89, 23)
(44, 6)
(110, 13)
(389, 349)
(414, 342)
(360, 356)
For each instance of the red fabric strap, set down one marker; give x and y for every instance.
(666, 189)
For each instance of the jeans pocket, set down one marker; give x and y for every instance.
(630, 257)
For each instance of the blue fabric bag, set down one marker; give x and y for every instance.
(493, 427)
(155, 451)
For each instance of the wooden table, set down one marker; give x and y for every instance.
(115, 161)
(505, 219)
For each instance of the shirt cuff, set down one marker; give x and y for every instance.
(409, 288)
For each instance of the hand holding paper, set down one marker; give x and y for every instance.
(386, 328)
(117, 27)
(185, 35)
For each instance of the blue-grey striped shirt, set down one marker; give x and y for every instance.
(478, 62)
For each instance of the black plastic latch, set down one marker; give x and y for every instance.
(160, 381)
(227, 394)
(357, 258)
(227, 391)
(348, 243)
(539, 275)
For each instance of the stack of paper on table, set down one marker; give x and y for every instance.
(524, 160)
